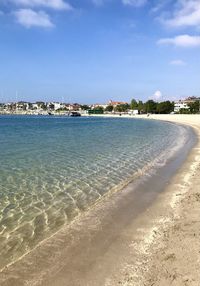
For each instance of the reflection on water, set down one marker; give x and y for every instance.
(52, 169)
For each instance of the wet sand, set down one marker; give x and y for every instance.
(153, 240)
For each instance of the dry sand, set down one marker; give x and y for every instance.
(172, 252)
(117, 243)
(175, 255)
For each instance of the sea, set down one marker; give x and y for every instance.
(53, 169)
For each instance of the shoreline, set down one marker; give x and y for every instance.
(174, 257)
(128, 271)
(170, 252)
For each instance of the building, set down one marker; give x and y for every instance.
(191, 99)
(181, 104)
(96, 105)
(22, 106)
(73, 106)
(134, 112)
(116, 103)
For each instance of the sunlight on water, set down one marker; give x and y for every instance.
(52, 169)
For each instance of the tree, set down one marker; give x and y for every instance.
(51, 106)
(122, 107)
(194, 106)
(109, 108)
(43, 106)
(150, 106)
(96, 110)
(85, 107)
(140, 106)
(30, 105)
(165, 107)
(23, 107)
(184, 111)
(134, 104)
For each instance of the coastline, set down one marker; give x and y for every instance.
(174, 257)
(139, 257)
(170, 253)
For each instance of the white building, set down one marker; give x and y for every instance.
(22, 105)
(56, 105)
(180, 105)
(134, 112)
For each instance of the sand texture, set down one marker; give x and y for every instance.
(172, 256)
(175, 257)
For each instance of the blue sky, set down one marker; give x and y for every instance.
(95, 50)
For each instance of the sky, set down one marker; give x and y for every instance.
(91, 51)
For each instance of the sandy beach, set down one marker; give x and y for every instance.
(174, 256)
(170, 252)
(123, 244)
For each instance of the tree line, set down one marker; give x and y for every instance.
(151, 106)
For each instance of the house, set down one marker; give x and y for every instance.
(73, 107)
(97, 105)
(181, 104)
(21, 105)
(134, 112)
(191, 99)
(116, 103)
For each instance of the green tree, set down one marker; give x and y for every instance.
(51, 106)
(140, 106)
(165, 107)
(134, 104)
(184, 111)
(150, 106)
(96, 110)
(122, 107)
(109, 108)
(43, 106)
(85, 107)
(30, 105)
(194, 106)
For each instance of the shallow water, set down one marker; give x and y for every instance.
(54, 168)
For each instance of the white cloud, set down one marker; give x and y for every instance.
(185, 41)
(185, 14)
(177, 63)
(54, 4)
(157, 95)
(134, 3)
(29, 18)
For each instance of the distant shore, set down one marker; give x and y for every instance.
(160, 246)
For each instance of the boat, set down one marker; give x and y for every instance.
(74, 114)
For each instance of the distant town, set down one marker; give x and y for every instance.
(186, 106)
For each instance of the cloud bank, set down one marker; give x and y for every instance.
(186, 14)
(35, 13)
(185, 41)
(29, 18)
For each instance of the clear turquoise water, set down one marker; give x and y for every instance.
(53, 168)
